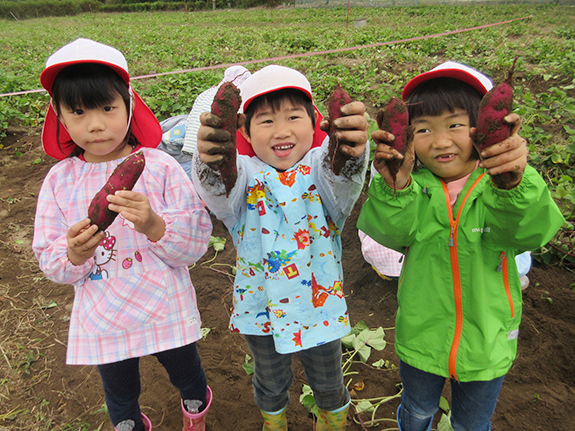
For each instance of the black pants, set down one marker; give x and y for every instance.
(121, 381)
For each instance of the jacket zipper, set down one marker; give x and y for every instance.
(503, 267)
(453, 225)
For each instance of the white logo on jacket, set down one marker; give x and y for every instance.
(481, 230)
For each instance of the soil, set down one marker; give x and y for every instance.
(39, 392)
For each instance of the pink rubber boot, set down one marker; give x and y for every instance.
(147, 423)
(196, 422)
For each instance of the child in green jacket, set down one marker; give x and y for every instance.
(459, 292)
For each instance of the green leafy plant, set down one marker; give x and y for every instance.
(445, 421)
(359, 342)
(248, 365)
(548, 119)
(217, 243)
(204, 331)
(383, 363)
(307, 399)
(28, 358)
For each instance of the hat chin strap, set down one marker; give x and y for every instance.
(131, 110)
(57, 115)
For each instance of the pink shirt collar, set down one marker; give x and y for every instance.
(455, 187)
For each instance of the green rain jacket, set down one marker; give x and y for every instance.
(459, 292)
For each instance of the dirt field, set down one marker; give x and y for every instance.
(39, 392)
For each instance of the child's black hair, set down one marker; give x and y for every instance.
(275, 99)
(88, 86)
(439, 95)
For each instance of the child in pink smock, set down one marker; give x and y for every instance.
(133, 295)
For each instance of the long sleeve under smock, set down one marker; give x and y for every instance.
(135, 297)
(459, 293)
(286, 228)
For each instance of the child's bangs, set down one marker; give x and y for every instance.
(437, 96)
(274, 101)
(88, 86)
(87, 95)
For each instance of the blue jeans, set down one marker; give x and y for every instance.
(472, 403)
(121, 381)
(273, 374)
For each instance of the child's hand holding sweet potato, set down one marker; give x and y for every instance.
(83, 238)
(214, 143)
(217, 134)
(351, 131)
(509, 155)
(136, 208)
(386, 157)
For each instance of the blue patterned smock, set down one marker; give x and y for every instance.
(286, 228)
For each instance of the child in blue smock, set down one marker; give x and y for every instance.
(285, 214)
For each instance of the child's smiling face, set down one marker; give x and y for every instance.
(281, 138)
(443, 144)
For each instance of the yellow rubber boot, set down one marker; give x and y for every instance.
(275, 421)
(332, 421)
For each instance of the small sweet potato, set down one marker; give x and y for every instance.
(495, 105)
(394, 118)
(124, 177)
(338, 99)
(226, 105)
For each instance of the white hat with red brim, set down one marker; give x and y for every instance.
(144, 124)
(451, 69)
(267, 80)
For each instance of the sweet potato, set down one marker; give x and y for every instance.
(124, 177)
(338, 99)
(226, 105)
(394, 118)
(495, 105)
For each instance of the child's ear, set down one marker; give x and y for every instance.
(244, 133)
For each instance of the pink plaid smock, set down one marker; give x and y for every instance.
(385, 261)
(135, 297)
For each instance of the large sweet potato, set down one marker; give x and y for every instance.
(495, 105)
(394, 118)
(226, 105)
(338, 99)
(124, 177)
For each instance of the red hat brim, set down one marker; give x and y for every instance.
(144, 126)
(453, 70)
